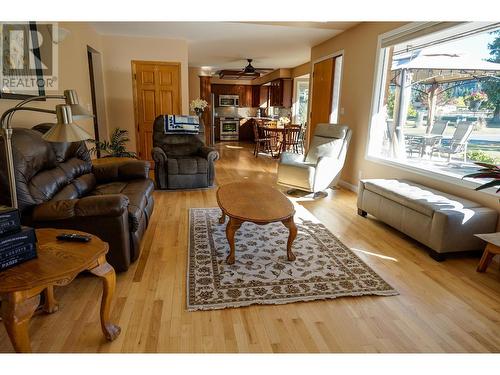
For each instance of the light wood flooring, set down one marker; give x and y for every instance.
(442, 307)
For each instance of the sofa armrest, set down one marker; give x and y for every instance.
(208, 153)
(121, 170)
(159, 155)
(327, 170)
(98, 205)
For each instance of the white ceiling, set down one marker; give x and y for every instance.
(228, 44)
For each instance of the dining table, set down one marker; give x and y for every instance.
(277, 135)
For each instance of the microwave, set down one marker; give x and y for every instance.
(229, 101)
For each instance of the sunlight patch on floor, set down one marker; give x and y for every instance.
(234, 147)
(374, 254)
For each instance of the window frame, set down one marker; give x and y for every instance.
(298, 81)
(380, 75)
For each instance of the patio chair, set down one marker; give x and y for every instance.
(422, 143)
(458, 142)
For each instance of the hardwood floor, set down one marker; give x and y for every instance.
(442, 307)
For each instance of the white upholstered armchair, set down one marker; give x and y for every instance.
(321, 166)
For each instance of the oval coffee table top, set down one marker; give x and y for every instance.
(255, 202)
(56, 260)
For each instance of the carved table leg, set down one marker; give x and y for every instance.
(231, 228)
(222, 219)
(107, 273)
(486, 258)
(16, 314)
(50, 304)
(290, 224)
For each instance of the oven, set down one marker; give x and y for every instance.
(229, 101)
(229, 128)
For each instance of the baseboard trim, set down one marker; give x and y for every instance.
(348, 186)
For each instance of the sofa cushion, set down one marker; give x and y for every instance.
(187, 165)
(417, 197)
(137, 191)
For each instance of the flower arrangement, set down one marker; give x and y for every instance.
(284, 120)
(480, 96)
(198, 105)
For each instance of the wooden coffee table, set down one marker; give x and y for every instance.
(58, 263)
(258, 203)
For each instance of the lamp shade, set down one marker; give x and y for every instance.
(65, 130)
(78, 111)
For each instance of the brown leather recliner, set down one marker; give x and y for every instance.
(182, 161)
(58, 187)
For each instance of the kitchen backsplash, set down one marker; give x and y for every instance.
(251, 112)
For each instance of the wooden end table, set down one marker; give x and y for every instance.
(492, 249)
(258, 203)
(58, 263)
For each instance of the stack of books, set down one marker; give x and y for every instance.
(17, 243)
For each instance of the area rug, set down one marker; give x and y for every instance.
(324, 269)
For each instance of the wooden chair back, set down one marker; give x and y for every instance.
(256, 132)
(292, 137)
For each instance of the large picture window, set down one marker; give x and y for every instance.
(437, 98)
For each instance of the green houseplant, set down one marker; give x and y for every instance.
(487, 171)
(115, 147)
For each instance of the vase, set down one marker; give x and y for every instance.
(199, 113)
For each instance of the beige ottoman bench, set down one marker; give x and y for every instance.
(443, 222)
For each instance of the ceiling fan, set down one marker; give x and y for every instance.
(248, 72)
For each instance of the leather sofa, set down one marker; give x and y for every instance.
(58, 187)
(182, 161)
(443, 222)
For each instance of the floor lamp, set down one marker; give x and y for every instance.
(65, 130)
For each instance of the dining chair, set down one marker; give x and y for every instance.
(262, 140)
(291, 138)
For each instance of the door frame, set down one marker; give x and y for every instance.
(90, 52)
(337, 53)
(134, 64)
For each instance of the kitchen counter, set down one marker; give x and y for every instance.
(260, 118)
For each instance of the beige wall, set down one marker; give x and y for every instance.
(359, 44)
(119, 51)
(73, 74)
(194, 83)
(301, 70)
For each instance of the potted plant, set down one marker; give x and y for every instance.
(115, 147)
(487, 171)
(475, 99)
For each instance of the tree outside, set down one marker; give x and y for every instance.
(491, 86)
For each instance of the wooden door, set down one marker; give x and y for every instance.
(157, 91)
(321, 100)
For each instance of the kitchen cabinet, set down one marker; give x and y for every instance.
(256, 96)
(243, 91)
(246, 130)
(264, 96)
(280, 93)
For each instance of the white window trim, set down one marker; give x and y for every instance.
(296, 82)
(379, 75)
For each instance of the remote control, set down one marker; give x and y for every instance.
(73, 237)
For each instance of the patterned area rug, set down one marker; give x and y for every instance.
(325, 268)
